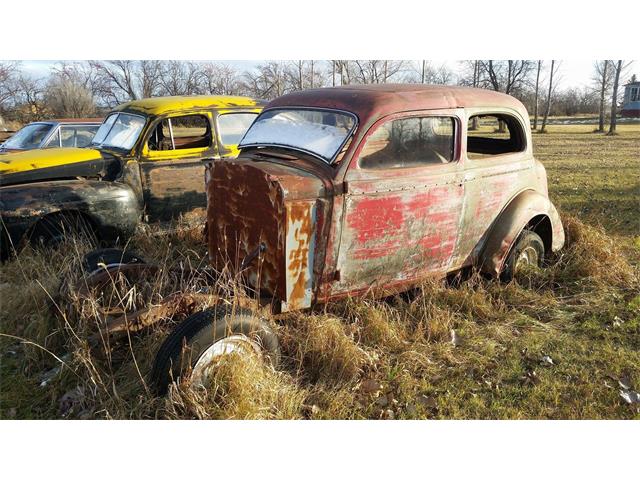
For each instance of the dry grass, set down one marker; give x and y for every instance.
(474, 350)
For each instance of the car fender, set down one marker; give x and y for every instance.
(520, 211)
(112, 206)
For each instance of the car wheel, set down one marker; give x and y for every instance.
(108, 256)
(193, 348)
(528, 251)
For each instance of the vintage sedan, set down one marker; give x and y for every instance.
(363, 189)
(64, 132)
(146, 162)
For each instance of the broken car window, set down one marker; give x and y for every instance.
(178, 133)
(490, 135)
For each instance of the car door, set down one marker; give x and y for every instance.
(498, 164)
(172, 164)
(403, 201)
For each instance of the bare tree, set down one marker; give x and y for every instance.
(377, 71)
(149, 74)
(573, 101)
(346, 70)
(267, 81)
(220, 79)
(618, 68)
(30, 96)
(333, 73)
(295, 75)
(313, 73)
(117, 80)
(535, 102)
(180, 78)
(8, 84)
(66, 96)
(425, 72)
(80, 73)
(509, 76)
(614, 97)
(552, 72)
(603, 75)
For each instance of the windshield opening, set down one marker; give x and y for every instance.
(319, 132)
(31, 136)
(119, 130)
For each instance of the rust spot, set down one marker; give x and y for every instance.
(244, 209)
(299, 254)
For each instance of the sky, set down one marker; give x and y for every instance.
(572, 73)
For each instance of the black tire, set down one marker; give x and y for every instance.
(108, 256)
(527, 240)
(199, 331)
(54, 229)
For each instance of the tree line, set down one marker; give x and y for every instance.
(81, 89)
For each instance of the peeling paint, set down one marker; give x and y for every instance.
(332, 231)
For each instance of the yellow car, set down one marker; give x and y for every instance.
(146, 162)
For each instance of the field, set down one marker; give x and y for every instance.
(561, 343)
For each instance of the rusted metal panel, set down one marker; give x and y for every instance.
(245, 209)
(271, 207)
(172, 187)
(489, 188)
(112, 207)
(510, 223)
(299, 254)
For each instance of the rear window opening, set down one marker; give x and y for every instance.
(494, 134)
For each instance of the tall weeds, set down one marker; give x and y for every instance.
(443, 351)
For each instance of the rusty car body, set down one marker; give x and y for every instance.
(338, 192)
(413, 191)
(146, 162)
(63, 132)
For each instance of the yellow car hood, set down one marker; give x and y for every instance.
(45, 158)
(57, 164)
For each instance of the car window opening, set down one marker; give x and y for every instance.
(494, 134)
(410, 142)
(178, 133)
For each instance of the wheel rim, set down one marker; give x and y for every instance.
(203, 368)
(528, 256)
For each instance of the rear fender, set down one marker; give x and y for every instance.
(523, 208)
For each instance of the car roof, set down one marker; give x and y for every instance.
(370, 102)
(163, 105)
